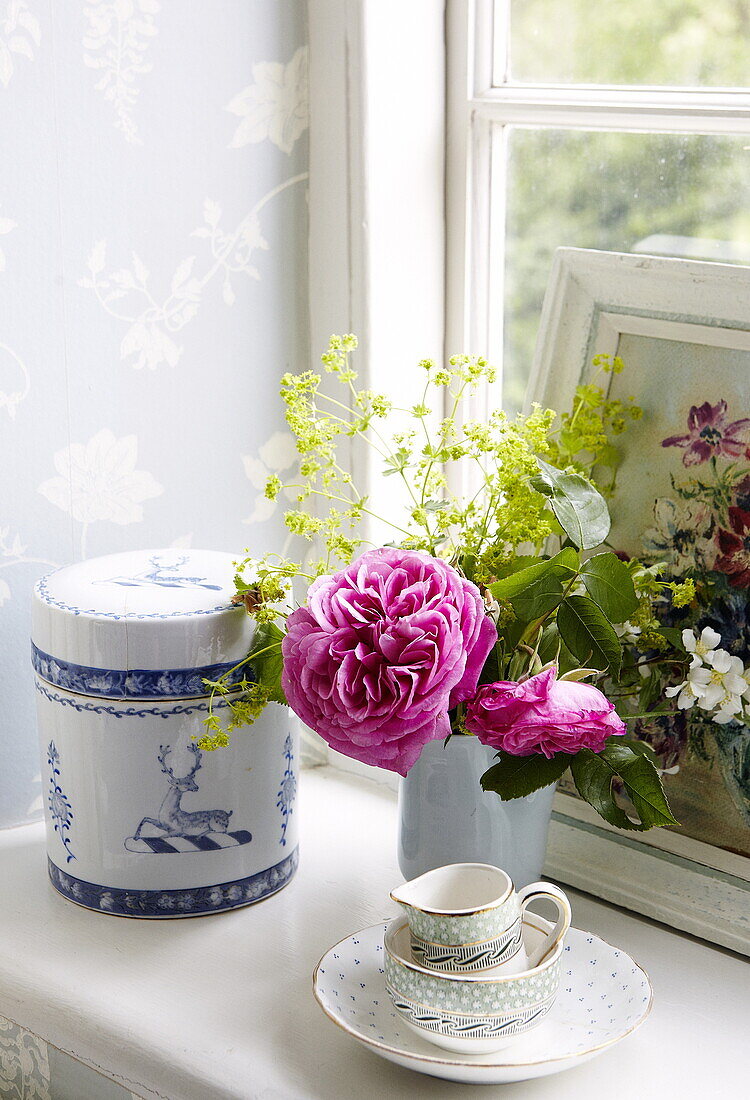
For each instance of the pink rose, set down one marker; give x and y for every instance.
(381, 652)
(542, 715)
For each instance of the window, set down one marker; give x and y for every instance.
(593, 124)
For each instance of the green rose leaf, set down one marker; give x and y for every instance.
(641, 747)
(541, 596)
(593, 774)
(537, 589)
(651, 691)
(593, 779)
(580, 509)
(564, 564)
(588, 634)
(608, 582)
(517, 563)
(517, 776)
(268, 663)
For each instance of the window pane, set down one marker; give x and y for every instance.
(664, 194)
(693, 43)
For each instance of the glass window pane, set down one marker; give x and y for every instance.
(665, 194)
(692, 43)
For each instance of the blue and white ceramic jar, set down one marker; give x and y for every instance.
(140, 822)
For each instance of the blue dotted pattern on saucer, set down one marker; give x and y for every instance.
(603, 995)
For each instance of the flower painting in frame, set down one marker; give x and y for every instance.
(679, 496)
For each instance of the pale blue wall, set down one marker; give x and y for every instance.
(138, 378)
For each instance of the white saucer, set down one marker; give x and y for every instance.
(603, 997)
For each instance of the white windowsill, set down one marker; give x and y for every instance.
(221, 1007)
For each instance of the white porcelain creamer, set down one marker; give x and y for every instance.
(140, 821)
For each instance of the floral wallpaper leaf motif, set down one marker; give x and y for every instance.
(6, 226)
(24, 1064)
(150, 346)
(15, 376)
(275, 106)
(142, 116)
(13, 552)
(98, 482)
(126, 293)
(19, 34)
(13, 372)
(277, 455)
(115, 43)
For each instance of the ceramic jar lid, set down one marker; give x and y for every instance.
(163, 617)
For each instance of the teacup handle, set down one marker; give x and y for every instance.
(553, 893)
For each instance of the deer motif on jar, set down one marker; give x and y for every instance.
(172, 820)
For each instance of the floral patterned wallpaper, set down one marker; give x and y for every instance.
(153, 229)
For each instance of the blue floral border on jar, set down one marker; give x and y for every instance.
(134, 683)
(287, 789)
(60, 811)
(169, 903)
(159, 711)
(42, 590)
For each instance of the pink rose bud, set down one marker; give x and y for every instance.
(542, 715)
(381, 652)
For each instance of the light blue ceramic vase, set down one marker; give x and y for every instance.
(446, 817)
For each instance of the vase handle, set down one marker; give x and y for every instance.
(554, 894)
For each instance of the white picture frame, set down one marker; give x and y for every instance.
(595, 301)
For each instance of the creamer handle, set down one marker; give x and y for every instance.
(553, 893)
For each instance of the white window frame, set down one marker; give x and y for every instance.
(478, 97)
(402, 101)
(377, 207)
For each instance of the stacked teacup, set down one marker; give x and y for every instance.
(468, 967)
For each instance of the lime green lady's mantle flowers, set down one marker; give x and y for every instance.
(386, 653)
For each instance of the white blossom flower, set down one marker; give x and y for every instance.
(723, 684)
(275, 106)
(627, 632)
(730, 708)
(746, 678)
(98, 480)
(692, 688)
(703, 647)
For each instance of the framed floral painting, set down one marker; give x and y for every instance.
(682, 497)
